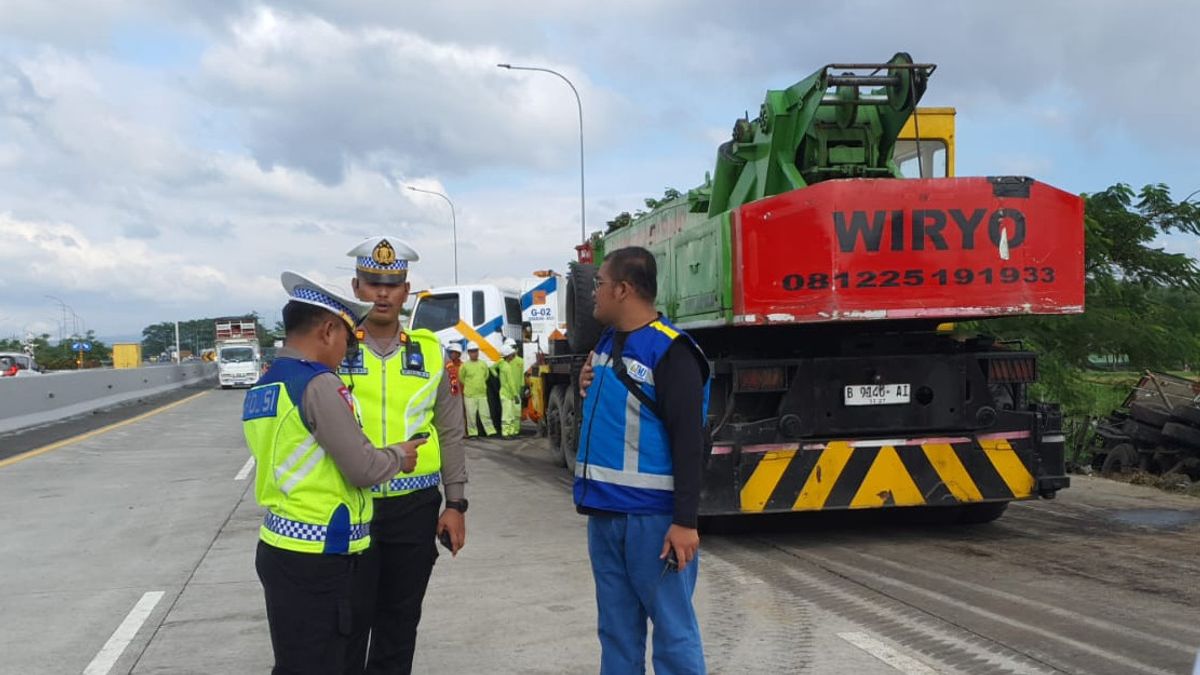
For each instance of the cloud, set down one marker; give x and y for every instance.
(281, 134)
(46, 255)
(318, 97)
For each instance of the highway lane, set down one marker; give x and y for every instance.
(1100, 581)
(23, 440)
(92, 527)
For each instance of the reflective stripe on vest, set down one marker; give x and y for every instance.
(397, 396)
(304, 531)
(624, 462)
(409, 484)
(311, 507)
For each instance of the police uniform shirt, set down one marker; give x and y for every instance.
(449, 419)
(337, 432)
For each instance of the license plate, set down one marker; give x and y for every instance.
(878, 394)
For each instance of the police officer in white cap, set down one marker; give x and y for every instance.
(314, 471)
(399, 378)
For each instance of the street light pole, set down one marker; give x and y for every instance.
(453, 225)
(579, 105)
(62, 327)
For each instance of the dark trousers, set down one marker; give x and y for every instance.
(311, 609)
(396, 573)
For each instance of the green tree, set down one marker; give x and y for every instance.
(1142, 302)
(61, 356)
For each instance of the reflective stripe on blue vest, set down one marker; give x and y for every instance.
(624, 460)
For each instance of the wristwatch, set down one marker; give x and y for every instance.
(459, 505)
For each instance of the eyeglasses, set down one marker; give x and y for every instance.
(597, 282)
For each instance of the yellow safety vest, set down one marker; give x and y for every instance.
(311, 507)
(397, 396)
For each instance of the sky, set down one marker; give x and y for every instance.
(164, 159)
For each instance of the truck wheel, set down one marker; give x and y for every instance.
(583, 331)
(1121, 459)
(570, 428)
(1182, 434)
(1188, 414)
(554, 435)
(981, 512)
(1153, 414)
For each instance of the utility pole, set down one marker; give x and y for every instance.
(453, 225)
(177, 355)
(579, 106)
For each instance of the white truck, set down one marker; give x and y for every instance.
(484, 315)
(239, 358)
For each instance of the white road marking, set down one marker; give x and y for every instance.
(246, 469)
(901, 662)
(123, 635)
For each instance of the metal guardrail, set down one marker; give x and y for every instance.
(35, 400)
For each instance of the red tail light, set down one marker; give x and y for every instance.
(1021, 369)
(760, 379)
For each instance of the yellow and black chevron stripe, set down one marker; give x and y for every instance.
(865, 474)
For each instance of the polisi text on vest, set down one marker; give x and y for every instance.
(927, 229)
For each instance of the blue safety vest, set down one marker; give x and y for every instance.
(624, 459)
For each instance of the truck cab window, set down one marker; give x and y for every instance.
(237, 355)
(437, 312)
(932, 161)
(512, 311)
(478, 309)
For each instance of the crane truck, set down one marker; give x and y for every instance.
(818, 278)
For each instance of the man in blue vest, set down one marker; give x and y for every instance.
(638, 472)
(314, 468)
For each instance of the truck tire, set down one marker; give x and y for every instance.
(1153, 414)
(570, 428)
(1121, 459)
(1143, 435)
(1188, 414)
(981, 512)
(1182, 434)
(554, 430)
(583, 331)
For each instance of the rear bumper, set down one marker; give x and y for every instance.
(1023, 459)
(237, 380)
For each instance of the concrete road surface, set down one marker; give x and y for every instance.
(131, 550)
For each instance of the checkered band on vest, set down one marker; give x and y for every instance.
(319, 297)
(309, 532)
(367, 263)
(415, 483)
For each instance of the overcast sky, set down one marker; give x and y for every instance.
(163, 159)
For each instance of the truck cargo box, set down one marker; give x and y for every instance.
(946, 248)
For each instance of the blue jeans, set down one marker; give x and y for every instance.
(631, 586)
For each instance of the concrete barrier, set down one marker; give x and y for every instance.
(30, 401)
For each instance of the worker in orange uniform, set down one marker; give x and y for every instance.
(453, 363)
